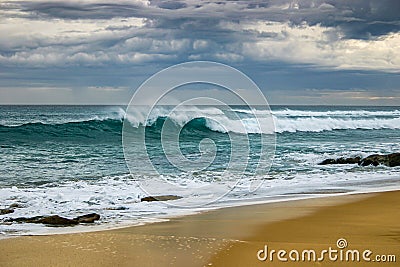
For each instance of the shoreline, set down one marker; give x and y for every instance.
(158, 219)
(206, 235)
(164, 218)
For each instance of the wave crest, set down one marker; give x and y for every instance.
(244, 121)
(285, 120)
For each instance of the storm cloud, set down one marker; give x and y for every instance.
(120, 43)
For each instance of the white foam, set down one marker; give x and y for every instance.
(137, 116)
(117, 199)
(259, 121)
(334, 113)
(215, 118)
(313, 124)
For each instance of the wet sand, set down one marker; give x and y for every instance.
(228, 237)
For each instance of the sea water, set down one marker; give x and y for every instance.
(69, 160)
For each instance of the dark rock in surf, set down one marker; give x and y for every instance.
(6, 211)
(374, 160)
(15, 206)
(160, 198)
(390, 160)
(355, 160)
(49, 220)
(25, 219)
(117, 208)
(88, 218)
(10, 209)
(394, 159)
(56, 220)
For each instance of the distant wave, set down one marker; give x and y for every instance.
(93, 130)
(330, 113)
(205, 119)
(115, 114)
(313, 124)
(284, 120)
(289, 120)
(212, 118)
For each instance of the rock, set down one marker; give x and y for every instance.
(56, 220)
(375, 160)
(50, 220)
(116, 208)
(15, 206)
(394, 159)
(160, 198)
(6, 211)
(88, 218)
(25, 219)
(10, 209)
(390, 160)
(355, 160)
(328, 162)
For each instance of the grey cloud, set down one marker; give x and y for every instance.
(357, 18)
(169, 23)
(120, 54)
(76, 10)
(170, 4)
(174, 28)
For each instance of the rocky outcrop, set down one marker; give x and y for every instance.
(390, 160)
(24, 219)
(88, 218)
(160, 198)
(10, 209)
(394, 159)
(116, 208)
(6, 211)
(375, 160)
(50, 220)
(15, 206)
(355, 160)
(55, 220)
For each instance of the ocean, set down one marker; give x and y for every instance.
(69, 160)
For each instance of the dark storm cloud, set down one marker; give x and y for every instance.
(357, 18)
(187, 21)
(295, 45)
(202, 29)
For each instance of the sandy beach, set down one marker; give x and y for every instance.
(230, 237)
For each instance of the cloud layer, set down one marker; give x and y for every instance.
(337, 34)
(330, 35)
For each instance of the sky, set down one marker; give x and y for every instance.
(304, 52)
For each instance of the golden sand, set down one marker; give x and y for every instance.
(227, 237)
